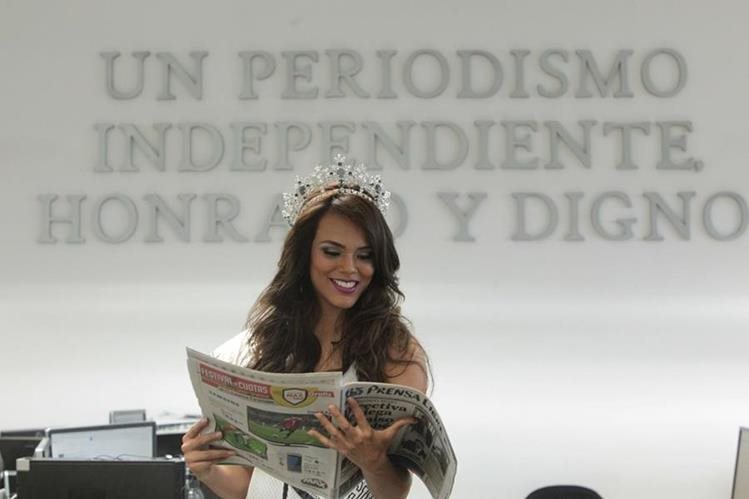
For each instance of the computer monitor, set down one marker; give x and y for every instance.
(99, 479)
(115, 441)
(11, 448)
(169, 432)
(27, 432)
(741, 473)
(127, 416)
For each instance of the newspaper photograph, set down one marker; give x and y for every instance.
(265, 419)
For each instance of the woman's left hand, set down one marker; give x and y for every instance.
(365, 447)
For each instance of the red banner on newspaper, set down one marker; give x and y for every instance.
(221, 379)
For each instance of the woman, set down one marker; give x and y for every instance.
(333, 305)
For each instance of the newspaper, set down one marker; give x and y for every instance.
(265, 417)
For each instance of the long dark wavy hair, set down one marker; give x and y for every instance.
(374, 335)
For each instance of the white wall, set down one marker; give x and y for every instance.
(619, 365)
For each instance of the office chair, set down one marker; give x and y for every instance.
(564, 492)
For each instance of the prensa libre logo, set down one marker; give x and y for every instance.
(315, 482)
(294, 396)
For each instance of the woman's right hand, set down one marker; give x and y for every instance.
(199, 459)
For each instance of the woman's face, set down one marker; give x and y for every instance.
(341, 263)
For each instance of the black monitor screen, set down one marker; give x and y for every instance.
(80, 479)
(28, 432)
(11, 448)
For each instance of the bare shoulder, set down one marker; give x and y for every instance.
(410, 368)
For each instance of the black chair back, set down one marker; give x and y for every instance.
(564, 492)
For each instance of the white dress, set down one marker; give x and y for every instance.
(262, 485)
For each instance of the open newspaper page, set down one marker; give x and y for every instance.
(265, 417)
(423, 447)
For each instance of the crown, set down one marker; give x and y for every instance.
(341, 175)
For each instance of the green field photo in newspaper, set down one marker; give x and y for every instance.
(284, 429)
(239, 439)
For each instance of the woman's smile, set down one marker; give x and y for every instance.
(345, 286)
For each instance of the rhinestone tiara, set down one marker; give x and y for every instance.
(342, 175)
